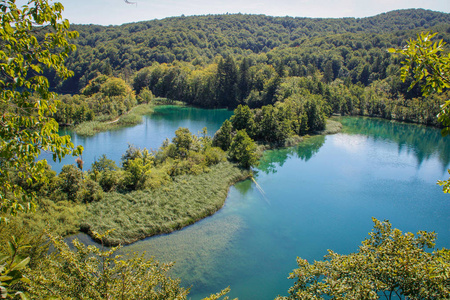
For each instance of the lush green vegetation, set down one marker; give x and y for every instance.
(25, 100)
(346, 44)
(284, 76)
(224, 61)
(181, 202)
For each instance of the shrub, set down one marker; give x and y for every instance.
(243, 150)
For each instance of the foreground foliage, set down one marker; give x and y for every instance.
(27, 36)
(388, 264)
(428, 63)
(92, 273)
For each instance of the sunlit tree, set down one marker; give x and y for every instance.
(33, 38)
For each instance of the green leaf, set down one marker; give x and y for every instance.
(22, 264)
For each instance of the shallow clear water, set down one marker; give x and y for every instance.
(317, 196)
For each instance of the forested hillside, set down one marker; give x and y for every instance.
(199, 39)
(254, 60)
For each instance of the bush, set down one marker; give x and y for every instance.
(91, 191)
(243, 150)
(71, 181)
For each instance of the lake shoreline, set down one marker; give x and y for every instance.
(131, 118)
(123, 236)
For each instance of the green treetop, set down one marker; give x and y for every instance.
(428, 64)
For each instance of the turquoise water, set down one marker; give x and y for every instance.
(317, 196)
(150, 134)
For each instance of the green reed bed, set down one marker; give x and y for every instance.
(133, 117)
(332, 127)
(185, 200)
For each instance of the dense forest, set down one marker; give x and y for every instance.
(254, 60)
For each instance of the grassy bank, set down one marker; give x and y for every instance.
(182, 202)
(133, 117)
(332, 127)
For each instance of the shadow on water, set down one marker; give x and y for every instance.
(168, 113)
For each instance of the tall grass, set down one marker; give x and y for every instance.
(332, 127)
(185, 200)
(62, 218)
(133, 117)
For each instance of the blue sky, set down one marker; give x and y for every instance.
(116, 12)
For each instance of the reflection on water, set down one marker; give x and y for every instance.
(305, 151)
(420, 141)
(423, 142)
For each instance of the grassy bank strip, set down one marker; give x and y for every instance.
(62, 218)
(140, 214)
(133, 117)
(332, 127)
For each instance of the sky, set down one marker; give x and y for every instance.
(117, 12)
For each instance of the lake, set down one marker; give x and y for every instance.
(319, 195)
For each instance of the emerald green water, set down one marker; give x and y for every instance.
(317, 196)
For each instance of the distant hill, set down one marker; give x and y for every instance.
(123, 50)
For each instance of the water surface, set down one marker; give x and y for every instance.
(317, 196)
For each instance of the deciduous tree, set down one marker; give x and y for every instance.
(33, 37)
(243, 150)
